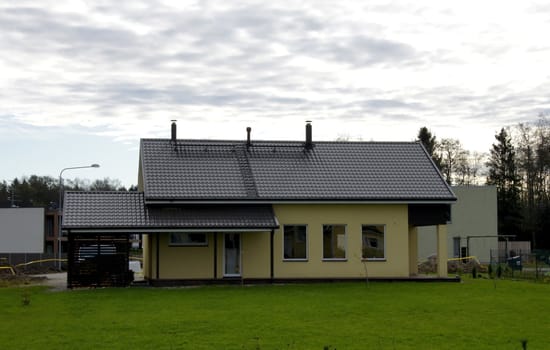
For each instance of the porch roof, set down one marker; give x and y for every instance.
(127, 211)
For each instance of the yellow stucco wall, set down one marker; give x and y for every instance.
(395, 217)
(255, 254)
(197, 262)
(188, 262)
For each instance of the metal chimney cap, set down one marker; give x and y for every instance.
(173, 134)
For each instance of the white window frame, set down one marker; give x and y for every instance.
(307, 243)
(191, 244)
(345, 258)
(385, 243)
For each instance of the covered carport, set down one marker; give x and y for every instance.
(99, 225)
(98, 259)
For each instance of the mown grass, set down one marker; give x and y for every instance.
(469, 315)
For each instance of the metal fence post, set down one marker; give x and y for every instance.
(536, 268)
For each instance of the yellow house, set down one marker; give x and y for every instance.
(215, 211)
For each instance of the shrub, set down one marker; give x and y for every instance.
(25, 298)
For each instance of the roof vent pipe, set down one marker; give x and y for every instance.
(309, 141)
(248, 143)
(174, 131)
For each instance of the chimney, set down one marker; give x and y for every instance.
(248, 143)
(309, 141)
(174, 133)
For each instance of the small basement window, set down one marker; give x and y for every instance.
(184, 239)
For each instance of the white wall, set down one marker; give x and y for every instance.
(474, 214)
(22, 230)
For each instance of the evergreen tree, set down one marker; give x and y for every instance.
(503, 173)
(43, 191)
(430, 144)
(4, 195)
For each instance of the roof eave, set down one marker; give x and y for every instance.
(145, 229)
(225, 201)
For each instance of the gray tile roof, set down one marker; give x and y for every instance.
(127, 210)
(103, 209)
(213, 217)
(284, 171)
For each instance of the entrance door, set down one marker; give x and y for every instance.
(232, 254)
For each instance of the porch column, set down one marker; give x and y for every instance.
(442, 250)
(215, 255)
(157, 255)
(413, 251)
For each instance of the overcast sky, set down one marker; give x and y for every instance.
(82, 81)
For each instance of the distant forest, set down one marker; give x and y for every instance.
(43, 191)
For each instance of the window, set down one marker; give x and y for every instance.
(373, 242)
(334, 242)
(188, 239)
(49, 226)
(295, 242)
(456, 247)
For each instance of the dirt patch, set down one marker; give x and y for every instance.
(57, 281)
(20, 280)
(455, 266)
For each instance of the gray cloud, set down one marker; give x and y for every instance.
(357, 50)
(263, 61)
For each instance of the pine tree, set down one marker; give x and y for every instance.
(503, 173)
(430, 144)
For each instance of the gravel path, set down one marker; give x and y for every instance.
(58, 281)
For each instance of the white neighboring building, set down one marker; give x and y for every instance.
(22, 230)
(473, 216)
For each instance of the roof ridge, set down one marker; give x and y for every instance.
(233, 142)
(246, 172)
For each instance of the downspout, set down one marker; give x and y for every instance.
(271, 254)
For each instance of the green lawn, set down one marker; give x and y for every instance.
(468, 315)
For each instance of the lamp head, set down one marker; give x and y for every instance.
(95, 165)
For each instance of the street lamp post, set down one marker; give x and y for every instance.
(60, 206)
